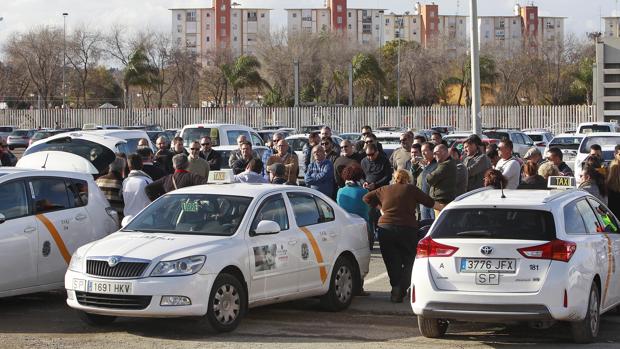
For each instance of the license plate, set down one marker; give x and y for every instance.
(105, 287)
(488, 265)
(487, 278)
(79, 285)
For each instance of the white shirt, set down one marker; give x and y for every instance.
(134, 194)
(511, 169)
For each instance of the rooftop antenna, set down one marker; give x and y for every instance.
(45, 162)
(501, 186)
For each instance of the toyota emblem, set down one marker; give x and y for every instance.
(113, 261)
(486, 250)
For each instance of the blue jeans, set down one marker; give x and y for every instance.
(426, 212)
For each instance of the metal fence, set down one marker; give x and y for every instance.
(341, 119)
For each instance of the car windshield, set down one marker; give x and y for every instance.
(389, 140)
(571, 143)
(99, 155)
(600, 140)
(594, 128)
(536, 137)
(20, 133)
(195, 214)
(195, 134)
(297, 144)
(495, 223)
(496, 135)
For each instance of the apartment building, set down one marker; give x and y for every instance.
(606, 84)
(525, 28)
(361, 26)
(612, 27)
(222, 26)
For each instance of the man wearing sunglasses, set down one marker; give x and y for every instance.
(402, 155)
(197, 164)
(211, 155)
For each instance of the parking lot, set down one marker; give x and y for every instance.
(43, 320)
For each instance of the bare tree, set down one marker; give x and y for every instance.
(186, 71)
(84, 52)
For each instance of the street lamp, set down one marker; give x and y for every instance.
(64, 59)
(475, 71)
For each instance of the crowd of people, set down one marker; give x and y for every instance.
(395, 195)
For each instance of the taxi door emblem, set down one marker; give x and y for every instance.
(113, 261)
(305, 252)
(486, 250)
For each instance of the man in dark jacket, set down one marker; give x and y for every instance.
(442, 181)
(476, 162)
(163, 157)
(181, 178)
(348, 156)
(148, 167)
(246, 155)
(313, 140)
(377, 168)
(208, 153)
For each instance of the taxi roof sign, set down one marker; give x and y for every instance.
(561, 182)
(221, 177)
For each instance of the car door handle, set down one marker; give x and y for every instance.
(30, 230)
(80, 217)
(292, 241)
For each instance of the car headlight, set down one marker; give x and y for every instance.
(76, 263)
(183, 266)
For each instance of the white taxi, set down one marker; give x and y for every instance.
(522, 256)
(44, 217)
(214, 251)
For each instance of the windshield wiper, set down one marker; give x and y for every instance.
(481, 233)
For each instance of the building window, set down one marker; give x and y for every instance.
(223, 20)
(431, 14)
(208, 39)
(460, 21)
(235, 14)
(179, 28)
(349, 26)
(223, 33)
(415, 33)
(208, 26)
(339, 20)
(262, 15)
(251, 37)
(387, 21)
(179, 16)
(294, 15)
(366, 28)
(234, 27)
(514, 22)
(208, 14)
(234, 38)
(531, 16)
(377, 27)
(223, 8)
(532, 27)
(415, 20)
(191, 16)
(338, 8)
(350, 14)
(432, 25)
(252, 17)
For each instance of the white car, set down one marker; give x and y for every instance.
(221, 134)
(541, 137)
(132, 137)
(214, 251)
(98, 149)
(519, 256)
(297, 143)
(592, 127)
(607, 141)
(44, 217)
(520, 141)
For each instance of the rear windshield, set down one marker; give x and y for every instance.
(99, 155)
(6, 129)
(497, 135)
(571, 143)
(495, 224)
(536, 138)
(602, 141)
(594, 128)
(195, 134)
(20, 133)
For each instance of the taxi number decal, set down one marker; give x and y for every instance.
(56, 236)
(190, 206)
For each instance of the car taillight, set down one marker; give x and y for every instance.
(557, 250)
(541, 144)
(428, 247)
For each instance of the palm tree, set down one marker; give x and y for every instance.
(367, 73)
(488, 76)
(583, 78)
(240, 74)
(140, 72)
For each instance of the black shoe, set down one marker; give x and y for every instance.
(396, 295)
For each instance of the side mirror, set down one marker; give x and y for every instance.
(267, 227)
(2, 218)
(125, 221)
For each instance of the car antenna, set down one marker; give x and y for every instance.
(45, 162)
(501, 186)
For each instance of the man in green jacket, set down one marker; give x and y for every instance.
(442, 181)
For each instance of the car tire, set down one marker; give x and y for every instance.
(227, 303)
(341, 286)
(96, 319)
(432, 328)
(586, 330)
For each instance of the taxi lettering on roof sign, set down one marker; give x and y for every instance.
(215, 250)
(560, 182)
(221, 177)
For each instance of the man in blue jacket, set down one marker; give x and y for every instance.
(320, 172)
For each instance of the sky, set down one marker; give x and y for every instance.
(21, 15)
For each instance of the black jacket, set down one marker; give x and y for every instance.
(378, 171)
(533, 182)
(163, 159)
(154, 171)
(166, 184)
(214, 159)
